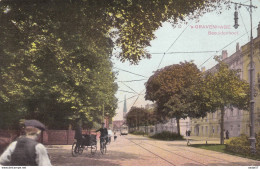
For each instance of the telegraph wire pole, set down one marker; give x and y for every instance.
(252, 69)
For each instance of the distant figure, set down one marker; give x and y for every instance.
(188, 133)
(26, 151)
(227, 134)
(78, 135)
(115, 137)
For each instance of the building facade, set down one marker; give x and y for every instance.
(256, 74)
(235, 121)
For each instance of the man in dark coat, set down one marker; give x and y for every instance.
(26, 151)
(78, 135)
(103, 133)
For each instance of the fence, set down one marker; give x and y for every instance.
(48, 137)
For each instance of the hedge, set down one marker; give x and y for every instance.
(166, 135)
(241, 145)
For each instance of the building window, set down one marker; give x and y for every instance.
(206, 130)
(231, 127)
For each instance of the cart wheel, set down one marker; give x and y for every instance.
(75, 152)
(93, 149)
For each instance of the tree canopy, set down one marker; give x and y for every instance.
(137, 117)
(175, 90)
(55, 54)
(130, 23)
(224, 89)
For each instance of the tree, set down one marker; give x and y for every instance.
(55, 55)
(137, 117)
(224, 89)
(175, 90)
(131, 23)
(52, 79)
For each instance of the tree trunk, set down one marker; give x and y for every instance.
(178, 126)
(222, 125)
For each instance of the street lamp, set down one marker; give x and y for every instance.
(252, 101)
(236, 17)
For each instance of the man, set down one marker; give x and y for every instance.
(227, 134)
(26, 151)
(103, 133)
(78, 135)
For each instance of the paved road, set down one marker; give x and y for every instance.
(133, 150)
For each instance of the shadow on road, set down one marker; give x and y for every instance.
(63, 157)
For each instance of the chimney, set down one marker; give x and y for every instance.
(258, 30)
(224, 54)
(237, 47)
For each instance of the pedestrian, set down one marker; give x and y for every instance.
(26, 151)
(189, 132)
(78, 135)
(186, 133)
(115, 136)
(227, 134)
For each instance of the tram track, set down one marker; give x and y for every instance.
(151, 152)
(184, 149)
(165, 150)
(180, 150)
(216, 158)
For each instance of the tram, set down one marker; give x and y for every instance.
(124, 130)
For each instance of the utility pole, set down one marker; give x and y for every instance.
(252, 69)
(103, 113)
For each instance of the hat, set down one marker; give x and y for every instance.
(102, 123)
(34, 123)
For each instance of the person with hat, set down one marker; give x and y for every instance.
(103, 133)
(26, 151)
(78, 135)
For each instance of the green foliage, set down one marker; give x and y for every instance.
(224, 88)
(214, 147)
(241, 145)
(166, 135)
(175, 91)
(55, 55)
(138, 133)
(50, 70)
(131, 23)
(140, 117)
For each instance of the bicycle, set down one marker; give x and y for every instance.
(103, 145)
(89, 141)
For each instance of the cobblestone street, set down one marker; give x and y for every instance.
(141, 151)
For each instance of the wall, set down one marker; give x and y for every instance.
(48, 137)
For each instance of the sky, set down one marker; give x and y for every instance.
(182, 42)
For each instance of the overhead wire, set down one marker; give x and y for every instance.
(172, 45)
(243, 24)
(224, 47)
(129, 87)
(130, 72)
(184, 52)
(127, 98)
(133, 80)
(126, 91)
